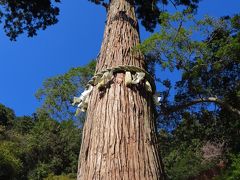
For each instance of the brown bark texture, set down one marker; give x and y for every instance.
(119, 140)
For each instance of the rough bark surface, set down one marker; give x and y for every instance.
(119, 132)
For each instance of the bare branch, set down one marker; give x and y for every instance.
(203, 100)
(175, 6)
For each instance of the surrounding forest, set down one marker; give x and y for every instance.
(198, 118)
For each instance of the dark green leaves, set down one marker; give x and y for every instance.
(37, 147)
(27, 16)
(6, 116)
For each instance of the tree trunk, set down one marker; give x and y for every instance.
(119, 140)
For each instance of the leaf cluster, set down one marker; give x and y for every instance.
(36, 146)
(27, 16)
(57, 92)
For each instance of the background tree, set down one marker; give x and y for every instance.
(205, 107)
(57, 92)
(39, 146)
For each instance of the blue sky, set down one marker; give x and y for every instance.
(75, 40)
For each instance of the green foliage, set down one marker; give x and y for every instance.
(27, 16)
(57, 92)
(235, 168)
(182, 151)
(23, 124)
(34, 147)
(177, 46)
(233, 172)
(54, 146)
(183, 164)
(10, 163)
(41, 170)
(6, 116)
(61, 177)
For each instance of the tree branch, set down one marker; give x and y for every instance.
(202, 100)
(173, 4)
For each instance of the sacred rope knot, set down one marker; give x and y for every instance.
(133, 76)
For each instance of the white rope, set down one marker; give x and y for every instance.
(133, 76)
(83, 100)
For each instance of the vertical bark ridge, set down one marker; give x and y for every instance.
(119, 132)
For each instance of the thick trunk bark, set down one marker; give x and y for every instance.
(119, 140)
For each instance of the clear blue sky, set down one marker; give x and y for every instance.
(75, 40)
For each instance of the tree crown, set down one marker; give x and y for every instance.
(29, 16)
